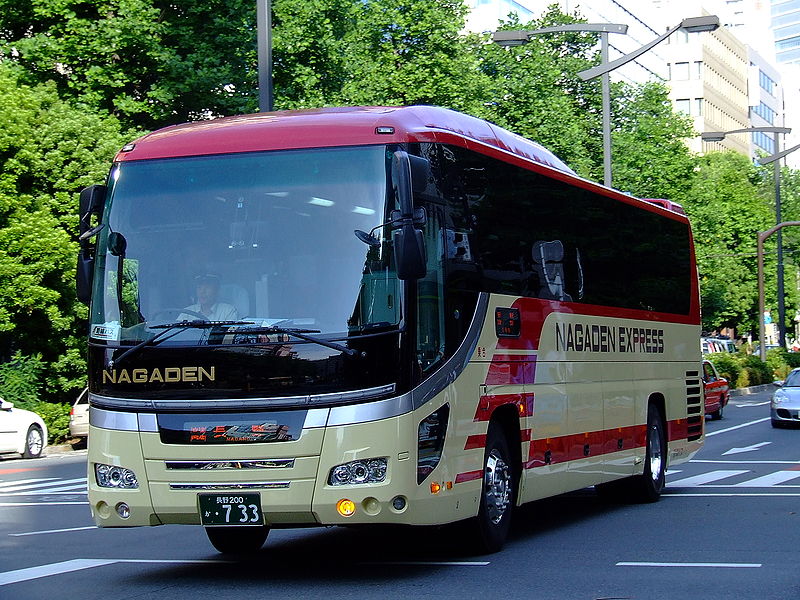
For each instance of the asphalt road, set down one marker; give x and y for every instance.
(728, 527)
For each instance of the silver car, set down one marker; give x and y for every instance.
(785, 405)
(79, 416)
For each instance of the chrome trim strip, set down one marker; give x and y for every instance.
(207, 465)
(243, 403)
(148, 422)
(370, 411)
(264, 485)
(316, 417)
(452, 368)
(109, 419)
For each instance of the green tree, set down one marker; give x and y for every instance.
(536, 93)
(48, 152)
(650, 156)
(727, 212)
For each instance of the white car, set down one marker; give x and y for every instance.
(79, 416)
(21, 431)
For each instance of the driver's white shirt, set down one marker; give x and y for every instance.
(221, 311)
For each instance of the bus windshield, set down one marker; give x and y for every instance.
(259, 240)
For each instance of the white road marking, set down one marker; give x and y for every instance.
(672, 494)
(51, 531)
(737, 427)
(704, 478)
(748, 462)
(431, 562)
(672, 471)
(752, 448)
(752, 404)
(83, 503)
(77, 564)
(4, 485)
(712, 565)
(773, 479)
(6, 489)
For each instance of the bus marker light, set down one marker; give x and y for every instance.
(346, 507)
(435, 487)
(449, 485)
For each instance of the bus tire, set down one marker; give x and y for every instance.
(648, 486)
(237, 540)
(498, 492)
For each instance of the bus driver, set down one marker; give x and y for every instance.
(206, 294)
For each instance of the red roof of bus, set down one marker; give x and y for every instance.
(323, 127)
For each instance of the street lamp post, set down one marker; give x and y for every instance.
(264, 41)
(691, 25)
(775, 160)
(518, 37)
(763, 235)
(718, 136)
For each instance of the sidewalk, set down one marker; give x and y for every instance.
(753, 389)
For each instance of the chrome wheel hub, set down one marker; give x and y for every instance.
(654, 446)
(497, 486)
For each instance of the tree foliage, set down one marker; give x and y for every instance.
(48, 151)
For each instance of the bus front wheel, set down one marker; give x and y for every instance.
(498, 493)
(237, 540)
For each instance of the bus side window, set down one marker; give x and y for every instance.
(548, 262)
(430, 295)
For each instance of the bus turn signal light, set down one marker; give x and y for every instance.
(346, 507)
(435, 487)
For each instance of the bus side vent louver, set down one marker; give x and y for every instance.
(694, 406)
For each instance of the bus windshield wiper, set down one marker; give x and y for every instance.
(301, 334)
(173, 328)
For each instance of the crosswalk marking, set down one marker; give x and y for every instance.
(705, 478)
(43, 487)
(773, 479)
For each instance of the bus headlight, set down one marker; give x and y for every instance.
(371, 470)
(109, 476)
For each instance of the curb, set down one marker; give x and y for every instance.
(753, 389)
(58, 449)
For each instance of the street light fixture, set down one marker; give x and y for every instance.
(690, 25)
(718, 136)
(519, 37)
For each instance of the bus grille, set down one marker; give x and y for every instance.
(694, 406)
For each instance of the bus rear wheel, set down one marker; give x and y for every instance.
(498, 492)
(237, 540)
(648, 486)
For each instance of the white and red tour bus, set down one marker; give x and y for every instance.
(376, 315)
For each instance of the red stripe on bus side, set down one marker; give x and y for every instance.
(491, 402)
(511, 370)
(469, 476)
(534, 311)
(475, 441)
(571, 447)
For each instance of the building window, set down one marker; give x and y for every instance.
(765, 112)
(763, 141)
(680, 71)
(682, 105)
(766, 82)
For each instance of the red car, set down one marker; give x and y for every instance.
(717, 391)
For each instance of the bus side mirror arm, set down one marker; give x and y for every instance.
(409, 244)
(91, 204)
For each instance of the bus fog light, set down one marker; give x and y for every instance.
(109, 476)
(371, 470)
(123, 510)
(399, 503)
(346, 507)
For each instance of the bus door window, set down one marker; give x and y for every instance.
(430, 295)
